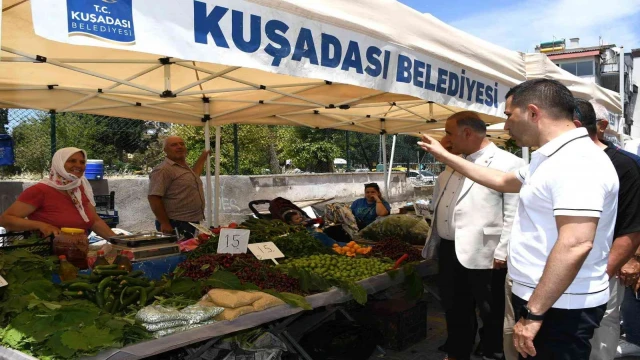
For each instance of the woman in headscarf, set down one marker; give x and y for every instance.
(64, 199)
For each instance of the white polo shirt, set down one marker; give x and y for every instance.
(568, 176)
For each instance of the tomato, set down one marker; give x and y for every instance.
(203, 237)
(233, 225)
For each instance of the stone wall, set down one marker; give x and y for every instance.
(237, 191)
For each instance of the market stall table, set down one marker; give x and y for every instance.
(157, 346)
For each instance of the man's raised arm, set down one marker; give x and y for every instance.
(491, 178)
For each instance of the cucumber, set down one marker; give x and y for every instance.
(75, 294)
(80, 285)
(143, 297)
(135, 281)
(109, 272)
(136, 273)
(130, 300)
(106, 267)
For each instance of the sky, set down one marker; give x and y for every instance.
(521, 25)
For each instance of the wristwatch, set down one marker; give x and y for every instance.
(526, 314)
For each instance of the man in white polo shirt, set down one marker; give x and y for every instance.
(563, 229)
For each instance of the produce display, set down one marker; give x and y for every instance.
(114, 306)
(246, 267)
(394, 249)
(114, 290)
(292, 240)
(339, 267)
(351, 249)
(408, 228)
(37, 318)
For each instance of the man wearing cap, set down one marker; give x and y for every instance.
(175, 194)
(623, 267)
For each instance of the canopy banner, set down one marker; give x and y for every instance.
(242, 33)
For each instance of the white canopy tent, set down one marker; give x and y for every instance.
(371, 66)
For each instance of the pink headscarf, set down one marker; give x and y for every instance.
(60, 179)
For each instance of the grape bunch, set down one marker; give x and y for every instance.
(333, 267)
(394, 249)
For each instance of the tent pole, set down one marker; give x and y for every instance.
(216, 210)
(236, 161)
(622, 90)
(207, 146)
(384, 162)
(54, 140)
(393, 150)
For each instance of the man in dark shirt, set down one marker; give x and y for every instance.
(626, 238)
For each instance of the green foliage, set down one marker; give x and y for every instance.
(35, 320)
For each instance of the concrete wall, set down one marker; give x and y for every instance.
(237, 191)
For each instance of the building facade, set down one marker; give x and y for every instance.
(601, 65)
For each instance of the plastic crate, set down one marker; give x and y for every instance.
(10, 242)
(105, 203)
(111, 220)
(403, 323)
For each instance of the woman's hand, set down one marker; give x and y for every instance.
(376, 198)
(46, 230)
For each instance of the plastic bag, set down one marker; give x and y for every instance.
(409, 228)
(340, 213)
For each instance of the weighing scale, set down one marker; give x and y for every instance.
(147, 245)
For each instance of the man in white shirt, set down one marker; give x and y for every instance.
(563, 228)
(471, 244)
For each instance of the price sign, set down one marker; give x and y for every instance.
(266, 251)
(3, 282)
(233, 241)
(202, 229)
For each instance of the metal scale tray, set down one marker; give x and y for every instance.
(144, 238)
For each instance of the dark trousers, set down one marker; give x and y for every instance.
(185, 229)
(564, 334)
(461, 290)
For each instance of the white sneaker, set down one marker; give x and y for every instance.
(627, 349)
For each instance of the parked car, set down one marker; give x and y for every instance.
(427, 176)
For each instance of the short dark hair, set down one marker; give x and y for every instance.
(549, 95)
(586, 115)
(372, 185)
(288, 215)
(470, 119)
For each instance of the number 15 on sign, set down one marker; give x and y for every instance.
(266, 251)
(233, 241)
